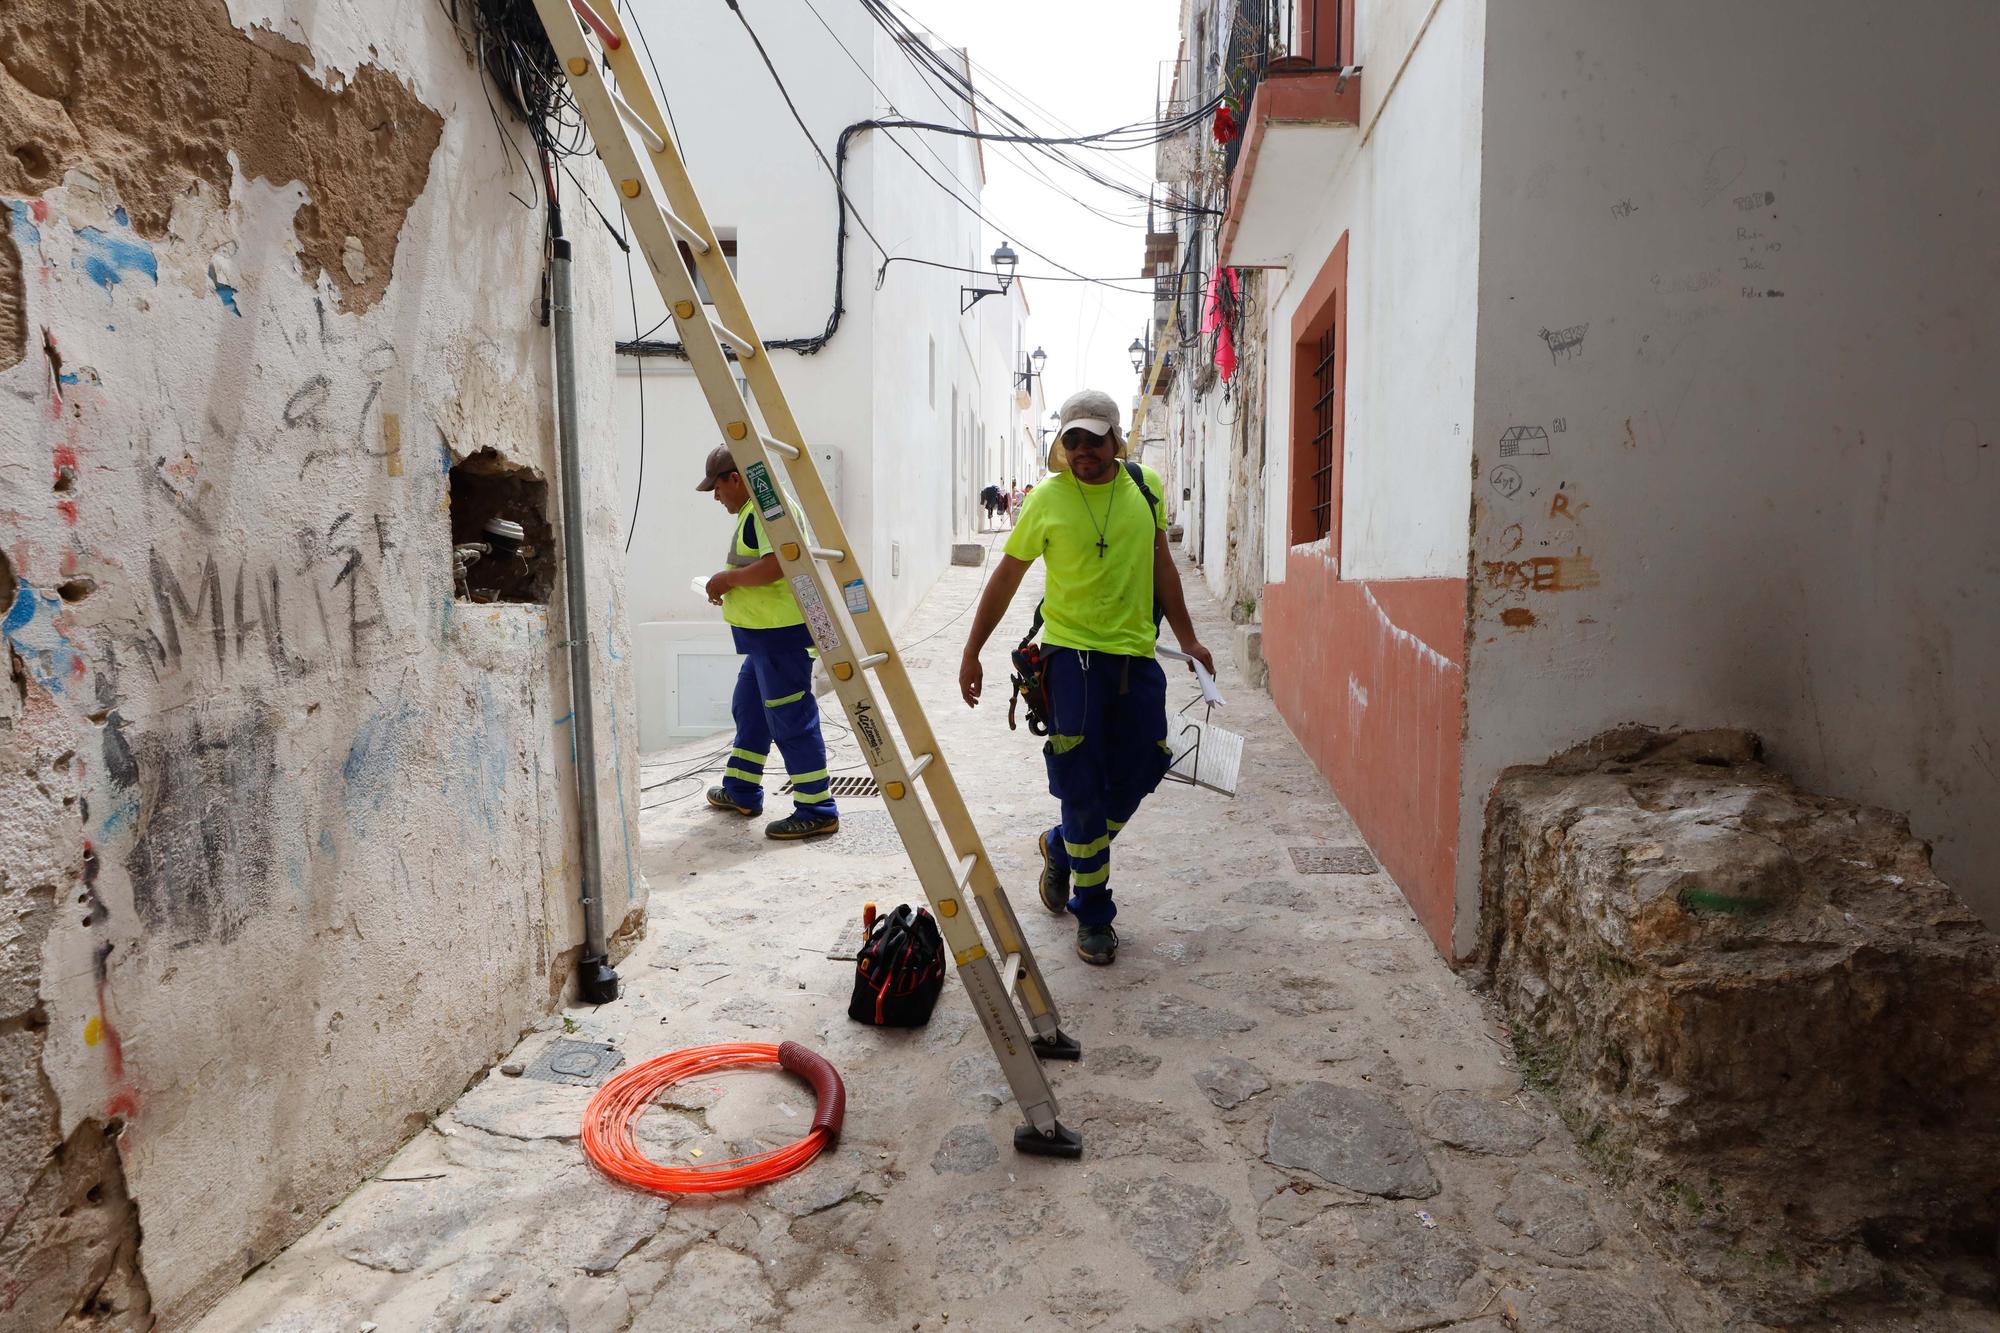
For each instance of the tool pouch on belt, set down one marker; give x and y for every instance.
(1030, 680)
(899, 972)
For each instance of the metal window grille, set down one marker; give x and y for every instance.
(1325, 411)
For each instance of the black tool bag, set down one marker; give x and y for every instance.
(899, 972)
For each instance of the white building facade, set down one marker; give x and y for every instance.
(1610, 373)
(901, 397)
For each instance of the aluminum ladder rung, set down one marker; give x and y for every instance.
(919, 764)
(745, 347)
(873, 660)
(1010, 974)
(833, 555)
(687, 235)
(654, 139)
(963, 875)
(778, 446)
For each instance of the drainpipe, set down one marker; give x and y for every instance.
(596, 979)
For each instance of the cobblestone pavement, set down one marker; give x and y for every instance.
(1295, 1116)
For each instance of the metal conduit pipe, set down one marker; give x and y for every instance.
(596, 979)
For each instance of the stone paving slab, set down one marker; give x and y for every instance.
(1295, 1116)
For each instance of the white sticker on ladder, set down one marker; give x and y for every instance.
(824, 632)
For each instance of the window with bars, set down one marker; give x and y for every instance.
(1317, 460)
(1318, 405)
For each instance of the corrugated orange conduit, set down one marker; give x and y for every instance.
(610, 1119)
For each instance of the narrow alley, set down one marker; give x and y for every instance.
(494, 499)
(1294, 1115)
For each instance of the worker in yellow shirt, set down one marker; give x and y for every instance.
(774, 693)
(1099, 528)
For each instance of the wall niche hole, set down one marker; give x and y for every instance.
(503, 549)
(76, 589)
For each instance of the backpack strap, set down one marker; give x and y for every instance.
(1138, 477)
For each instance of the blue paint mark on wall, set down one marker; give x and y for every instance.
(21, 612)
(477, 772)
(378, 754)
(26, 233)
(107, 259)
(29, 625)
(118, 216)
(119, 817)
(224, 292)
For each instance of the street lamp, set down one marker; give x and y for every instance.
(1031, 367)
(1004, 259)
(1138, 350)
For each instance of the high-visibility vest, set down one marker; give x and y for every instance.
(769, 606)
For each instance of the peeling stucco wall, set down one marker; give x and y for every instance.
(292, 852)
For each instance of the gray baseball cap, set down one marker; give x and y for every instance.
(1090, 409)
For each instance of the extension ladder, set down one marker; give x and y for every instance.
(826, 578)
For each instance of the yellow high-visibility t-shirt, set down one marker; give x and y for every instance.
(1100, 602)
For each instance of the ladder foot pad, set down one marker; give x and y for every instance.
(1061, 1046)
(1059, 1142)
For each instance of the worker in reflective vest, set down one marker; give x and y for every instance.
(774, 692)
(1100, 533)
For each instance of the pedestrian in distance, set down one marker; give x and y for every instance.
(774, 691)
(1098, 526)
(989, 500)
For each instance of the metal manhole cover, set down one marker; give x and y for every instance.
(844, 786)
(581, 1064)
(1333, 861)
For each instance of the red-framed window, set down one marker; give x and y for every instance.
(1319, 403)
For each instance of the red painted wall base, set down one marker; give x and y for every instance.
(1371, 679)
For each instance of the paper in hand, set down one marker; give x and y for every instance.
(1209, 694)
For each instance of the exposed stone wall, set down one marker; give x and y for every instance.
(1760, 1009)
(289, 847)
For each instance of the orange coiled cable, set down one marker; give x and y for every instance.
(610, 1119)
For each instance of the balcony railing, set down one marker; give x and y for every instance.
(1278, 37)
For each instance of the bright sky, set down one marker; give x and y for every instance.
(1092, 65)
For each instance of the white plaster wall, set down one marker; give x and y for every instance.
(335, 839)
(1785, 503)
(758, 177)
(916, 309)
(865, 393)
(1404, 187)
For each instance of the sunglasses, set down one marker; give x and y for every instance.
(1083, 439)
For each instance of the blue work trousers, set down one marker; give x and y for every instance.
(774, 702)
(1106, 752)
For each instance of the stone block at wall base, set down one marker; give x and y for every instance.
(1760, 1011)
(968, 553)
(1250, 656)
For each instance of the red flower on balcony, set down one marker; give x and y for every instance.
(1227, 126)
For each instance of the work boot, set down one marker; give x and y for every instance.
(1055, 883)
(798, 825)
(722, 800)
(1096, 944)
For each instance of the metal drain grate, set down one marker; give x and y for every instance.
(1333, 861)
(843, 786)
(581, 1064)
